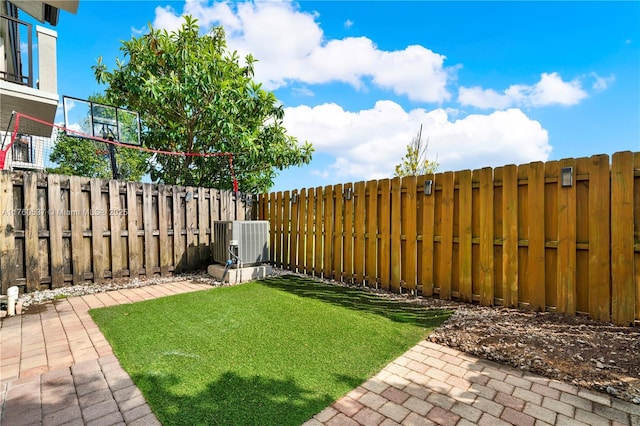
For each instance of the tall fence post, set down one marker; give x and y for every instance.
(371, 264)
(599, 238)
(510, 236)
(486, 237)
(8, 259)
(536, 240)
(425, 275)
(622, 239)
(396, 234)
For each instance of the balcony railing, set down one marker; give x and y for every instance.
(12, 68)
(22, 149)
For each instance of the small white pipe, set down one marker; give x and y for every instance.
(12, 299)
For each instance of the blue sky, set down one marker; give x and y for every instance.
(492, 83)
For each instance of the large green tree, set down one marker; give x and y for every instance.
(91, 158)
(193, 95)
(415, 161)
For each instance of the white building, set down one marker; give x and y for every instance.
(23, 89)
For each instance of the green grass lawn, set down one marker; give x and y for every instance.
(273, 352)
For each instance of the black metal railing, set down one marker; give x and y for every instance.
(22, 149)
(13, 52)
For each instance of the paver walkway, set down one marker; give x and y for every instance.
(57, 368)
(433, 384)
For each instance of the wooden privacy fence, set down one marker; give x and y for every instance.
(513, 236)
(59, 230)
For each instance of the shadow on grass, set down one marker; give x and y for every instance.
(232, 400)
(360, 300)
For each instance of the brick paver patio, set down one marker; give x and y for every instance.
(57, 368)
(433, 384)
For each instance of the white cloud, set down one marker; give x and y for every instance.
(369, 143)
(302, 91)
(77, 128)
(453, 112)
(348, 23)
(24, 47)
(601, 83)
(166, 18)
(324, 174)
(265, 28)
(137, 32)
(550, 90)
(483, 98)
(407, 71)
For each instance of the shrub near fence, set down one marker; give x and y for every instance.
(512, 236)
(57, 230)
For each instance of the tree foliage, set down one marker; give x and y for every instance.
(90, 158)
(415, 161)
(194, 95)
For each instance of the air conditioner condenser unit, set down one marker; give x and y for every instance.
(245, 242)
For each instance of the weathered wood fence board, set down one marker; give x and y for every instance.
(623, 294)
(513, 236)
(57, 231)
(306, 258)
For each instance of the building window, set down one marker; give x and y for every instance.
(23, 149)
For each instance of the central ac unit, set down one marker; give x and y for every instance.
(242, 241)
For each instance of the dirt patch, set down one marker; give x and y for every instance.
(574, 349)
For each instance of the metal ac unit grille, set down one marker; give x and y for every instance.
(252, 237)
